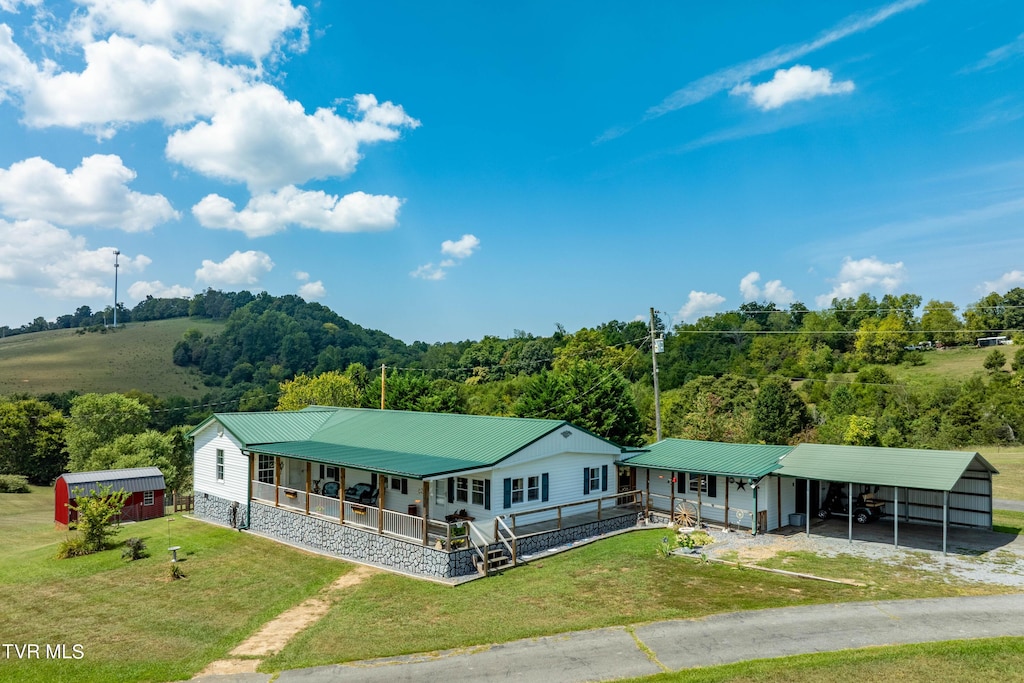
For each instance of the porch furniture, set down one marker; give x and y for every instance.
(331, 489)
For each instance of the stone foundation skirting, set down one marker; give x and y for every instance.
(347, 542)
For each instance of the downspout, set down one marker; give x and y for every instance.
(244, 526)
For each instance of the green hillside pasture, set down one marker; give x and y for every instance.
(136, 356)
(1009, 483)
(956, 364)
(132, 622)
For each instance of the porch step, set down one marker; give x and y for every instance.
(496, 561)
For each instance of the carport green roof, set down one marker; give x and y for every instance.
(905, 467)
(709, 457)
(410, 444)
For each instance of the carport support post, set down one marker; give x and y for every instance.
(808, 506)
(945, 519)
(896, 517)
(849, 509)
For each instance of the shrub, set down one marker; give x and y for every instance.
(72, 546)
(134, 549)
(96, 513)
(176, 572)
(695, 539)
(13, 483)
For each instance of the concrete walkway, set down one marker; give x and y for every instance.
(614, 653)
(1003, 504)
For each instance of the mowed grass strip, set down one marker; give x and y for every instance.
(616, 581)
(967, 661)
(132, 621)
(1008, 522)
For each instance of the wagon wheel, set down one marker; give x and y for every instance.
(685, 514)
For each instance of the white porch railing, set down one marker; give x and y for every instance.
(324, 506)
(404, 525)
(263, 491)
(292, 498)
(361, 515)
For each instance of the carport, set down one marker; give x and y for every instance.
(920, 486)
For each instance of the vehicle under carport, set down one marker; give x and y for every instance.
(916, 486)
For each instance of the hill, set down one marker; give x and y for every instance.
(135, 356)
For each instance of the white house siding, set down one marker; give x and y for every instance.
(739, 500)
(565, 483)
(555, 443)
(235, 486)
(788, 500)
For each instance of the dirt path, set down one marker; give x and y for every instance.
(275, 634)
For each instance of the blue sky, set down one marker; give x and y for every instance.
(444, 171)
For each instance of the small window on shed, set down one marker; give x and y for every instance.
(147, 498)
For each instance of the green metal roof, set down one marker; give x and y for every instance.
(411, 444)
(907, 467)
(272, 426)
(708, 457)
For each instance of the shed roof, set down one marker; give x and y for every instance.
(709, 457)
(132, 479)
(906, 467)
(412, 444)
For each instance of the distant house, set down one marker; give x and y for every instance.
(432, 494)
(145, 484)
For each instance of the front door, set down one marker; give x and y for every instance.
(626, 482)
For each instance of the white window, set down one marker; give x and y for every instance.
(533, 488)
(517, 491)
(265, 469)
(698, 482)
(461, 490)
(147, 498)
(595, 478)
(328, 473)
(478, 492)
(396, 484)
(220, 464)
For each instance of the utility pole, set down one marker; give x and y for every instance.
(116, 266)
(654, 374)
(383, 380)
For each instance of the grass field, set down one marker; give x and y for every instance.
(133, 623)
(136, 356)
(1009, 483)
(955, 364)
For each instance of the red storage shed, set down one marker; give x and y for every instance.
(145, 484)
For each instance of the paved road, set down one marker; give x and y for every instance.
(612, 653)
(1002, 504)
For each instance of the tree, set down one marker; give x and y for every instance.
(97, 420)
(32, 440)
(326, 389)
(779, 413)
(882, 341)
(96, 512)
(995, 360)
(940, 323)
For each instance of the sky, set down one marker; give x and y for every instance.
(445, 171)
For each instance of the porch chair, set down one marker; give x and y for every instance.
(331, 489)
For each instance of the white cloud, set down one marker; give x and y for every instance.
(52, 261)
(12, 5)
(270, 213)
(429, 271)
(699, 304)
(773, 290)
(241, 268)
(729, 77)
(789, 85)
(1011, 50)
(95, 194)
(1014, 278)
(461, 248)
(252, 28)
(302, 276)
(458, 250)
(257, 124)
(123, 82)
(313, 291)
(864, 275)
(141, 289)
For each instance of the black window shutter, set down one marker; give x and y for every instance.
(544, 487)
(487, 494)
(681, 482)
(604, 477)
(451, 489)
(405, 486)
(508, 492)
(712, 486)
(586, 480)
